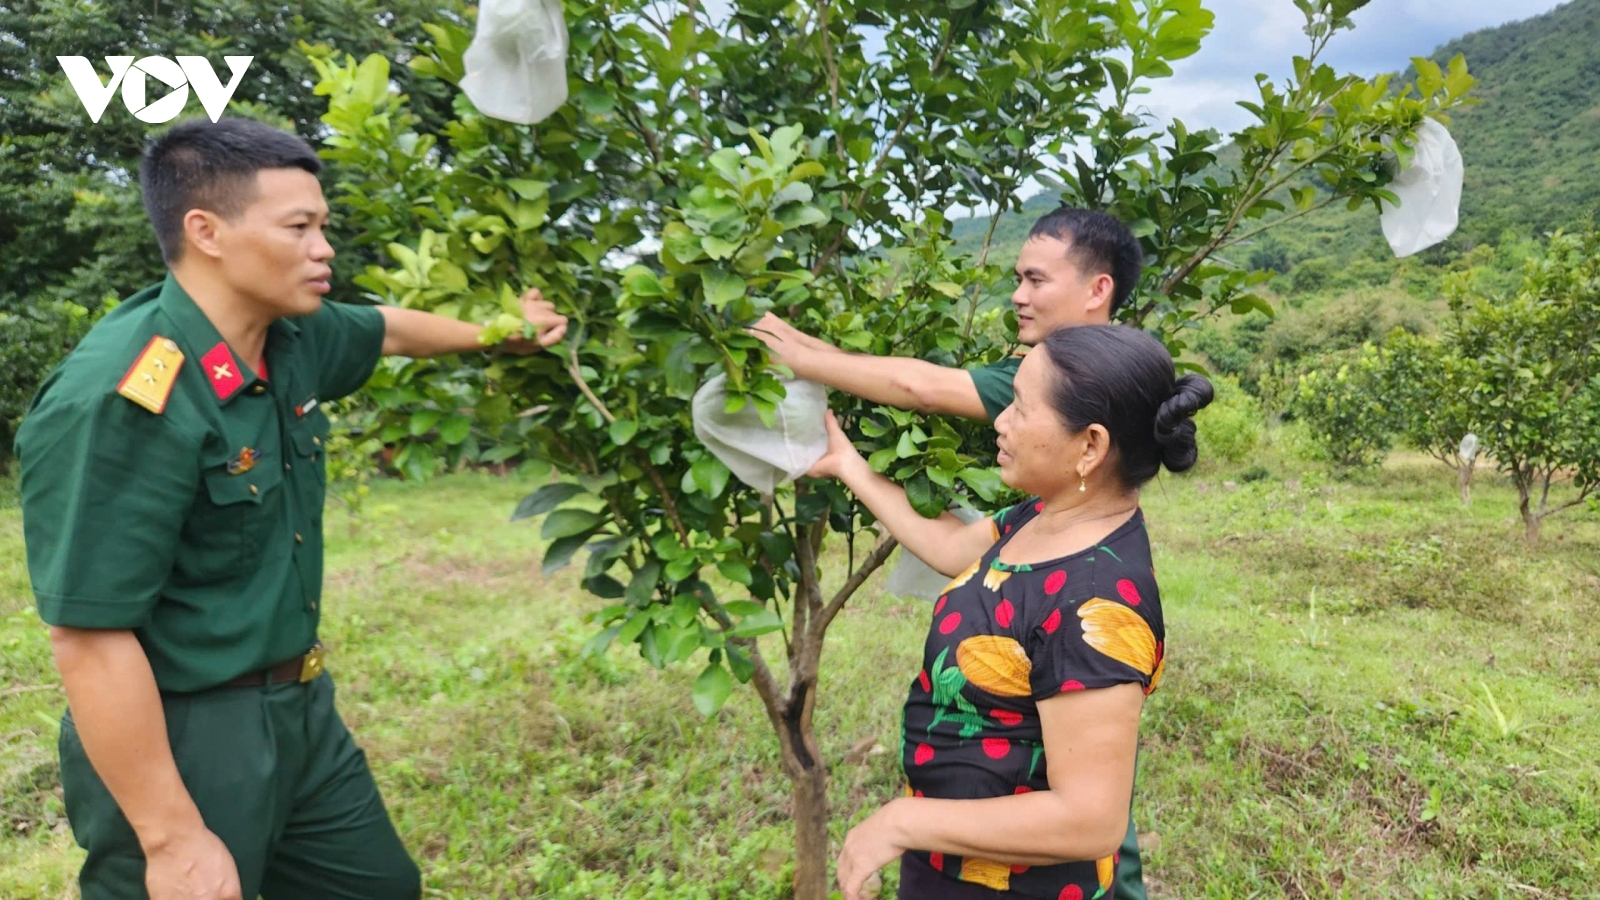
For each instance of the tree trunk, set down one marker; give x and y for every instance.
(808, 782)
(1530, 519)
(1466, 470)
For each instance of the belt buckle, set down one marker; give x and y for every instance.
(313, 665)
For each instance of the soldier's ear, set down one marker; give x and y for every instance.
(202, 231)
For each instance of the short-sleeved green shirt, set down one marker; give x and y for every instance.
(994, 385)
(198, 528)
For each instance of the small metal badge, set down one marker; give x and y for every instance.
(244, 462)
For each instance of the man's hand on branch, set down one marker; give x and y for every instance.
(551, 326)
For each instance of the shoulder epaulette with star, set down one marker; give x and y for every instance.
(149, 382)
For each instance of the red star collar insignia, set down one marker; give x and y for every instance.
(222, 371)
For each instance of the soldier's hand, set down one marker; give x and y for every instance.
(551, 326)
(195, 866)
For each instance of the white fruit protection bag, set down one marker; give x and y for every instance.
(1429, 191)
(516, 65)
(759, 456)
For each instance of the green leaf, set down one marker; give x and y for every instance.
(455, 430)
(739, 662)
(528, 190)
(735, 571)
(710, 476)
(919, 492)
(604, 586)
(722, 287)
(907, 447)
(642, 586)
(800, 215)
(567, 522)
(641, 282)
(986, 482)
(711, 689)
(759, 623)
(545, 499)
(423, 421)
(623, 430)
(881, 460)
(598, 644)
(742, 608)
(561, 552)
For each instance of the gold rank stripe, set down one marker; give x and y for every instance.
(149, 382)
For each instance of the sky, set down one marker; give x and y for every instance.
(1253, 36)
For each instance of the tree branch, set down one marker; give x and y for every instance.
(666, 498)
(833, 74)
(577, 375)
(1278, 221)
(773, 697)
(873, 562)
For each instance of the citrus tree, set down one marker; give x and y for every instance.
(712, 166)
(1534, 380)
(1428, 388)
(1341, 399)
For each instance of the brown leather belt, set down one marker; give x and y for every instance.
(305, 667)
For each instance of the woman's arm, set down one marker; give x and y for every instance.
(947, 544)
(1089, 738)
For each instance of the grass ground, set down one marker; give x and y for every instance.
(1370, 693)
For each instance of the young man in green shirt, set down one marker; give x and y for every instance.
(172, 488)
(1077, 267)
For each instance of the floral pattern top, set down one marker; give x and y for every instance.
(1005, 637)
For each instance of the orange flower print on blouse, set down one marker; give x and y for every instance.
(993, 875)
(1120, 633)
(996, 664)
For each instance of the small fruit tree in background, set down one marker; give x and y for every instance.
(798, 157)
(1530, 373)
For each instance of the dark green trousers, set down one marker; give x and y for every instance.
(1130, 868)
(1129, 884)
(277, 777)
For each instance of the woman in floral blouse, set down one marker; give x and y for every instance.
(1021, 727)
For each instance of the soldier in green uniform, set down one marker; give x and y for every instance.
(172, 487)
(1076, 268)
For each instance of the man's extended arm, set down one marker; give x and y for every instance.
(895, 381)
(409, 332)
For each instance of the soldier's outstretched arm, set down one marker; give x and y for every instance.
(409, 332)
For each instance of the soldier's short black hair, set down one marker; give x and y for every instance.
(1098, 243)
(200, 164)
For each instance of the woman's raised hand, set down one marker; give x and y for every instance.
(841, 453)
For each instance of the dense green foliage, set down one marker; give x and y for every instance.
(1340, 398)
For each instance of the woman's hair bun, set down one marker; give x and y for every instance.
(1175, 422)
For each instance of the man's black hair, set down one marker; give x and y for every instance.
(200, 164)
(1099, 244)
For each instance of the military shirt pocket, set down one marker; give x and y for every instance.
(308, 436)
(236, 517)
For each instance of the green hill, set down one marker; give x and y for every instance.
(1530, 150)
